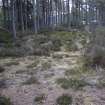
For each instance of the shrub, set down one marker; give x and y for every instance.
(34, 64)
(39, 99)
(46, 65)
(5, 36)
(57, 56)
(73, 71)
(2, 69)
(94, 53)
(101, 83)
(30, 81)
(56, 44)
(11, 52)
(71, 83)
(64, 100)
(5, 101)
(70, 46)
(45, 30)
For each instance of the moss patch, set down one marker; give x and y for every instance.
(40, 99)
(30, 81)
(5, 36)
(71, 83)
(71, 72)
(5, 101)
(46, 65)
(34, 64)
(64, 100)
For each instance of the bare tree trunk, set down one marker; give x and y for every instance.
(34, 16)
(21, 12)
(13, 19)
(68, 7)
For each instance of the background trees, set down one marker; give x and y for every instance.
(32, 15)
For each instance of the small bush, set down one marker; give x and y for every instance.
(46, 65)
(12, 63)
(70, 46)
(64, 100)
(11, 52)
(45, 30)
(5, 36)
(56, 44)
(2, 69)
(83, 41)
(72, 72)
(5, 101)
(61, 28)
(102, 83)
(40, 99)
(30, 81)
(4, 52)
(57, 56)
(71, 83)
(94, 52)
(34, 64)
(49, 75)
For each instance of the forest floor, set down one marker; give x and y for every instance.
(32, 80)
(42, 80)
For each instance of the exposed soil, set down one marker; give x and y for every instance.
(18, 70)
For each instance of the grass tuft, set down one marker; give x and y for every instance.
(71, 83)
(64, 100)
(34, 64)
(5, 101)
(30, 81)
(40, 99)
(46, 65)
(2, 69)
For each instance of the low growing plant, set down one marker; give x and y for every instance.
(5, 101)
(71, 83)
(65, 99)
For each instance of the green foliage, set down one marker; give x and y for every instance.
(46, 65)
(68, 39)
(86, 62)
(56, 44)
(64, 100)
(57, 56)
(1, 18)
(30, 81)
(70, 46)
(83, 41)
(39, 99)
(10, 52)
(5, 36)
(64, 35)
(64, 27)
(46, 30)
(94, 52)
(71, 83)
(49, 75)
(102, 83)
(72, 72)
(34, 64)
(5, 101)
